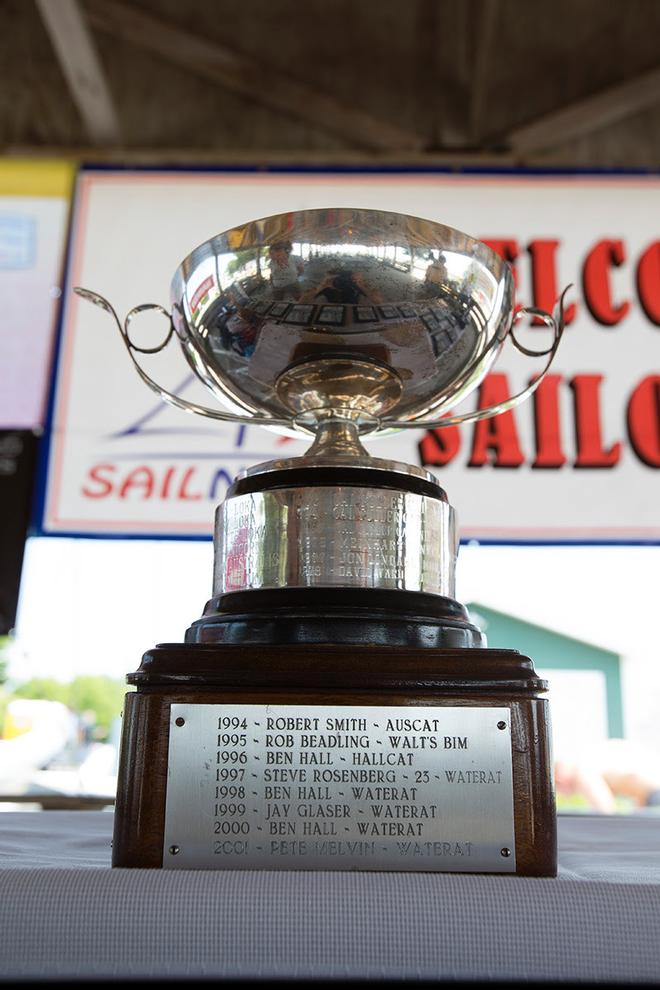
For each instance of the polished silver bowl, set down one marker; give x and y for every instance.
(378, 317)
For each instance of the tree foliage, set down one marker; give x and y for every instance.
(247, 254)
(101, 695)
(45, 689)
(5, 644)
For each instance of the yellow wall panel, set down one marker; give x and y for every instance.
(27, 177)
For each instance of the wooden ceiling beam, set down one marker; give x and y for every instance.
(76, 53)
(238, 157)
(484, 37)
(584, 116)
(242, 74)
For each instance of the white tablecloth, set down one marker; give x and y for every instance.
(65, 914)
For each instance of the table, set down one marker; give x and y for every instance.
(65, 914)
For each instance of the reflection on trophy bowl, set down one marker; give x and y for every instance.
(427, 303)
(336, 388)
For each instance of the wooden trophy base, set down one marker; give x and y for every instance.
(364, 677)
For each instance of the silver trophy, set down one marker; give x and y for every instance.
(333, 605)
(339, 324)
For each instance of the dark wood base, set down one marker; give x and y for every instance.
(305, 674)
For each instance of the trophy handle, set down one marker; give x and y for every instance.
(167, 396)
(556, 324)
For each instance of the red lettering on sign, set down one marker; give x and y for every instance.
(507, 248)
(183, 493)
(440, 446)
(596, 283)
(495, 441)
(170, 482)
(648, 282)
(96, 474)
(166, 482)
(499, 434)
(588, 434)
(547, 426)
(140, 480)
(644, 420)
(545, 291)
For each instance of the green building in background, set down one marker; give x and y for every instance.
(585, 680)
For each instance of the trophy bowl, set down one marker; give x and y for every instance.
(380, 318)
(425, 301)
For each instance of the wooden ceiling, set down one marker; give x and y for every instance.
(567, 82)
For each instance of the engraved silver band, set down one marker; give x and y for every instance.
(335, 536)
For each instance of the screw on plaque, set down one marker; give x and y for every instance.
(501, 725)
(180, 721)
(173, 850)
(505, 852)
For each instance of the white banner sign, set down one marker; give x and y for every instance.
(579, 462)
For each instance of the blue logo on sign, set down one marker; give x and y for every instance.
(18, 240)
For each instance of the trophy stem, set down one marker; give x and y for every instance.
(337, 438)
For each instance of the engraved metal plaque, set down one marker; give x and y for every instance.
(339, 787)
